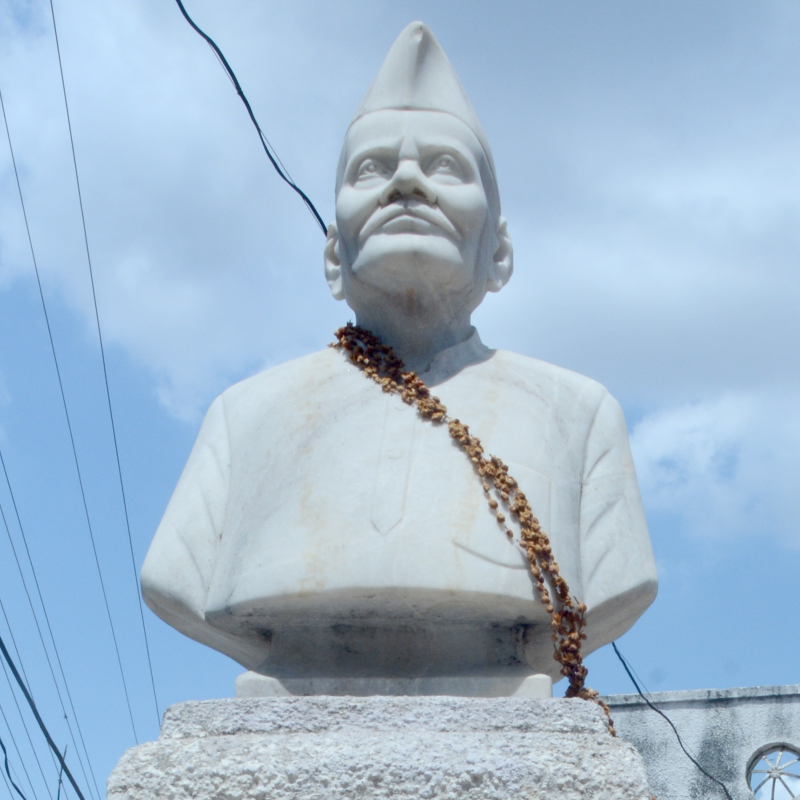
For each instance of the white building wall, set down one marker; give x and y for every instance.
(723, 729)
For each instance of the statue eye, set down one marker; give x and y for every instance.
(370, 168)
(445, 165)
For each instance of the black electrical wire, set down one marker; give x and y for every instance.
(8, 623)
(8, 772)
(80, 483)
(26, 693)
(61, 775)
(5, 781)
(674, 729)
(69, 428)
(110, 412)
(19, 754)
(268, 149)
(27, 733)
(19, 656)
(11, 541)
(50, 631)
(39, 631)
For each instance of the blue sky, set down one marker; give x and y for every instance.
(649, 169)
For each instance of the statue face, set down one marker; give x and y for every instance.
(411, 210)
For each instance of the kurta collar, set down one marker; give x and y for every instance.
(451, 361)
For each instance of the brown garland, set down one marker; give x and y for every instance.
(380, 363)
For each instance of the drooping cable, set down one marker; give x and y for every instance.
(50, 631)
(8, 771)
(7, 656)
(8, 787)
(21, 665)
(27, 683)
(108, 400)
(27, 733)
(19, 754)
(268, 148)
(674, 729)
(8, 622)
(61, 775)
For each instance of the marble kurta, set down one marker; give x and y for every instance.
(322, 528)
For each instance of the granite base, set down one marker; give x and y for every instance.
(331, 748)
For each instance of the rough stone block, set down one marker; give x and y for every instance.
(325, 748)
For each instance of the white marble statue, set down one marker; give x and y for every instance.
(322, 529)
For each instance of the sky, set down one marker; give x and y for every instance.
(649, 169)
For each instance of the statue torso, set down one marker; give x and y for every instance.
(348, 520)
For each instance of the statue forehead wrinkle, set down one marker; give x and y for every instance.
(416, 75)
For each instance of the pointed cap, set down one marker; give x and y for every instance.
(416, 74)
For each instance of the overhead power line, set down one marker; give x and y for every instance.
(5, 615)
(19, 520)
(268, 148)
(19, 755)
(49, 630)
(69, 421)
(8, 771)
(61, 776)
(108, 399)
(27, 734)
(8, 787)
(7, 656)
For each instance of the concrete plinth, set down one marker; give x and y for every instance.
(326, 748)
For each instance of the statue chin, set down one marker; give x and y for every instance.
(397, 263)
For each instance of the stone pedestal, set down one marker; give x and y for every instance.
(326, 748)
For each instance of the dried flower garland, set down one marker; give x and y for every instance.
(381, 364)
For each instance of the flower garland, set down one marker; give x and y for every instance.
(381, 364)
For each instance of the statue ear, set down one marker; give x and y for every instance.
(333, 264)
(503, 260)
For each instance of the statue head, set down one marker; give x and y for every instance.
(417, 207)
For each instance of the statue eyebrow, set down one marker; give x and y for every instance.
(429, 152)
(383, 148)
(383, 153)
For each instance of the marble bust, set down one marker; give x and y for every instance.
(320, 528)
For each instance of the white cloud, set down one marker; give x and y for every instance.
(724, 468)
(648, 163)
(649, 172)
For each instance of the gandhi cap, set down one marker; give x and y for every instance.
(417, 75)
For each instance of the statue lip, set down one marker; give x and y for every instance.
(409, 223)
(418, 218)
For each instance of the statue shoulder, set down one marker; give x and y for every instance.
(546, 378)
(285, 383)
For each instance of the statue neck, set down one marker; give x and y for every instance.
(415, 336)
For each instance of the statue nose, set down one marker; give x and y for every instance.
(408, 181)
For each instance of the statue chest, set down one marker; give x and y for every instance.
(348, 487)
